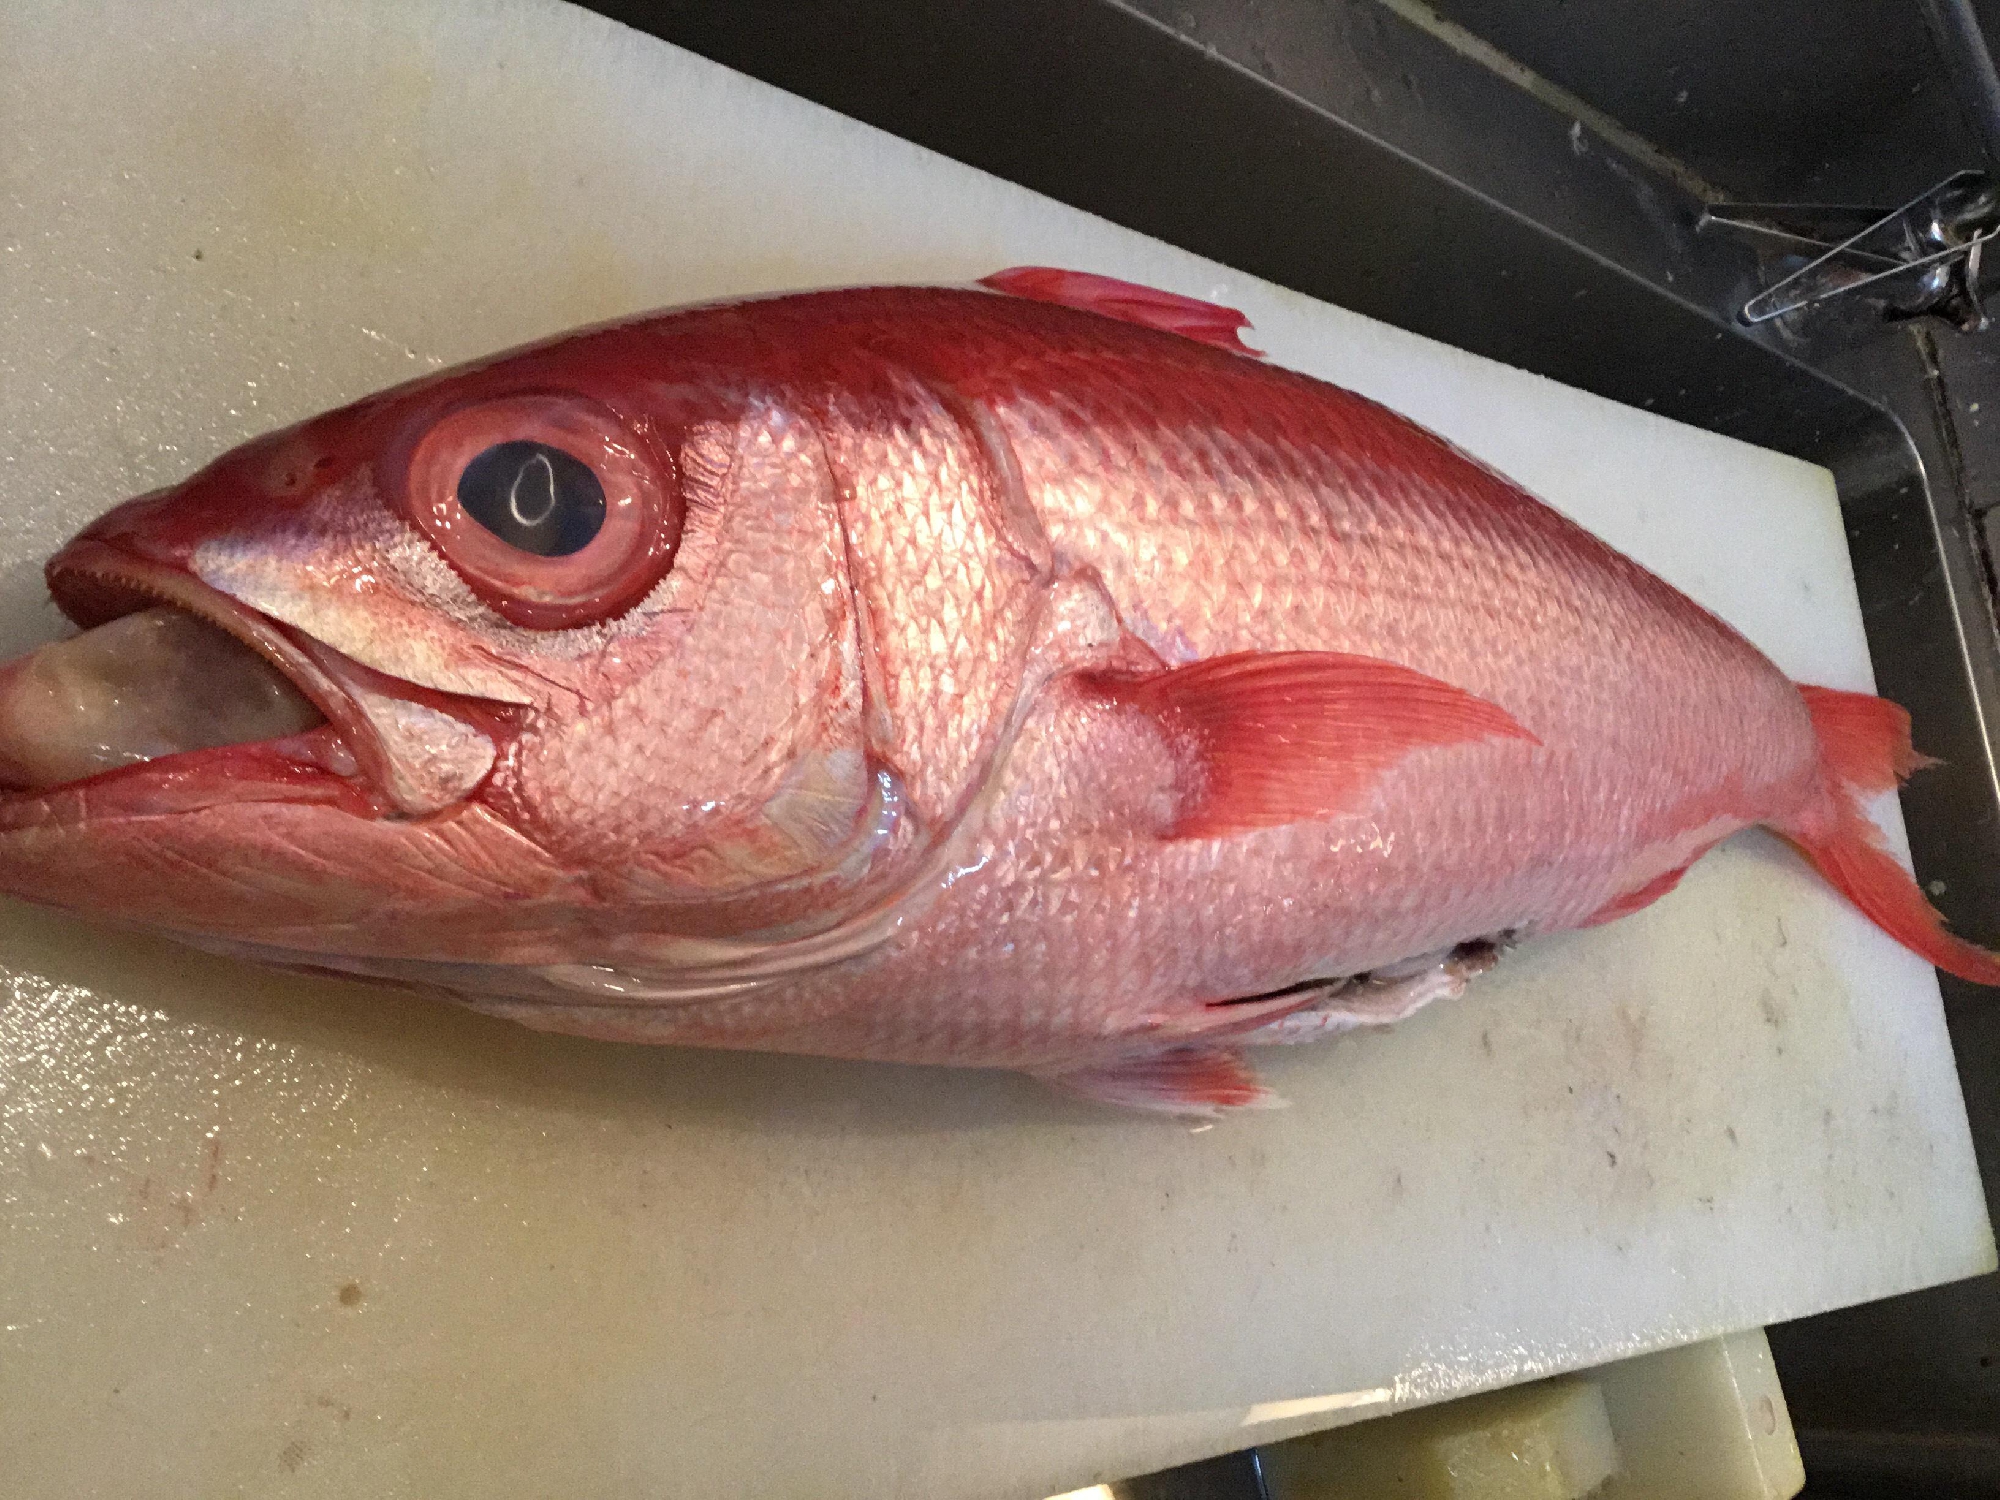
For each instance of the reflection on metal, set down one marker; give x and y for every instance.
(1922, 258)
(1585, 116)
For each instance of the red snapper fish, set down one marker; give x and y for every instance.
(1017, 676)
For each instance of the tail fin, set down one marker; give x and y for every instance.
(1864, 749)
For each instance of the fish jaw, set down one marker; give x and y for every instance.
(94, 582)
(252, 847)
(303, 837)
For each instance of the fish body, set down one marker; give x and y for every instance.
(1000, 676)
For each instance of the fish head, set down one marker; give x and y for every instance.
(550, 660)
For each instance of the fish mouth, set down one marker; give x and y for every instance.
(173, 697)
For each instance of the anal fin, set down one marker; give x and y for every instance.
(1128, 302)
(1199, 1081)
(1269, 738)
(1638, 900)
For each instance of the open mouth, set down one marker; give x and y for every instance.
(165, 670)
(151, 684)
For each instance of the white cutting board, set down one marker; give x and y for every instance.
(277, 1237)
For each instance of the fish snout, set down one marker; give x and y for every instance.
(253, 486)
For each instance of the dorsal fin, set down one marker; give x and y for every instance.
(1297, 736)
(1127, 301)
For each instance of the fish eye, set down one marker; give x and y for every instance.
(534, 497)
(555, 509)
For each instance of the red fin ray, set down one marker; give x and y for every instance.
(1637, 900)
(1127, 301)
(1864, 740)
(1865, 748)
(1295, 736)
(1202, 1081)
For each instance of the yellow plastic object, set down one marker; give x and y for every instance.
(1707, 1420)
(1549, 1441)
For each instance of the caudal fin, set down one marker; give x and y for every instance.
(1864, 749)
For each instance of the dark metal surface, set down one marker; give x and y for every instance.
(1942, 1466)
(1954, 27)
(1329, 147)
(1233, 1476)
(1336, 148)
(1827, 100)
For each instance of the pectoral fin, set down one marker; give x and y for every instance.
(1269, 738)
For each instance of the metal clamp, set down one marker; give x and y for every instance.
(1924, 257)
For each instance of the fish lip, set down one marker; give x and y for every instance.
(88, 570)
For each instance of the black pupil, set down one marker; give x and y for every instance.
(533, 497)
